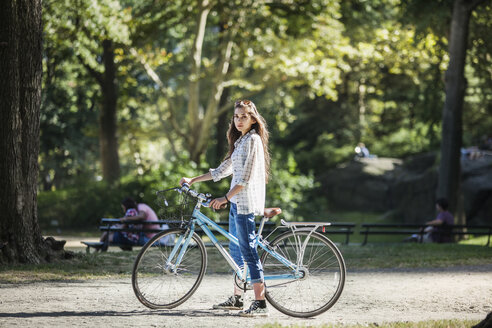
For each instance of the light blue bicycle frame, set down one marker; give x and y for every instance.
(203, 221)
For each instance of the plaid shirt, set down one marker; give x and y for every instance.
(247, 166)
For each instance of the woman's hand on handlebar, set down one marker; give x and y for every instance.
(218, 203)
(186, 180)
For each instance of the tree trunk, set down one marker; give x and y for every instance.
(455, 86)
(211, 112)
(194, 114)
(107, 120)
(20, 96)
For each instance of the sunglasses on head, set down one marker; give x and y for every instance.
(243, 103)
(247, 103)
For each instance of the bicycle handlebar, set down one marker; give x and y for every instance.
(204, 198)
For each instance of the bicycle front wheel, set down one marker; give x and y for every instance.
(315, 285)
(166, 271)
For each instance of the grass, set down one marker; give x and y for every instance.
(421, 324)
(380, 256)
(482, 240)
(382, 252)
(352, 217)
(81, 267)
(372, 256)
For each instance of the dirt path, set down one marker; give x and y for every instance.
(458, 293)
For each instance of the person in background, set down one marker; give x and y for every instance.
(437, 230)
(134, 212)
(361, 151)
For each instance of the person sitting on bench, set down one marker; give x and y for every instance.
(133, 213)
(437, 230)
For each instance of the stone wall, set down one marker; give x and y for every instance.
(405, 190)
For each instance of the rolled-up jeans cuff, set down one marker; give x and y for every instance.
(259, 280)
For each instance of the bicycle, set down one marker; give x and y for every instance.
(304, 271)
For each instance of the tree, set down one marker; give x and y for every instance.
(199, 117)
(92, 32)
(108, 141)
(455, 86)
(20, 94)
(243, 46)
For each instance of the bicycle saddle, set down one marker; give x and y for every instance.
(271, 212)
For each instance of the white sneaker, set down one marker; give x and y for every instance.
(255, 311)
(233, 303)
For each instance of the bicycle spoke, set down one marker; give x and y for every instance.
(157, 281)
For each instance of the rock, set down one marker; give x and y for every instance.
(477, 189)
(406, 189)
(56, 245)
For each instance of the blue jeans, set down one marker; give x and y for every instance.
(243, 227)
(120, 238)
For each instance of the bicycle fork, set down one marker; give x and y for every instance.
(181, 246)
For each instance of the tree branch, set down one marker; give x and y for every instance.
(222, 70)
(153, 75)
(227, 107)
(166, 132)
(95, 74)
(194, 77)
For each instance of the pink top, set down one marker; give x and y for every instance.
(151, 216)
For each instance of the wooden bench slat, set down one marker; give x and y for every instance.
(110, 225)
(391, 232)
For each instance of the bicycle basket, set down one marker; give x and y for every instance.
(174, 206)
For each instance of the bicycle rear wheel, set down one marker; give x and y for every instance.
(321, 274)
(157, 281)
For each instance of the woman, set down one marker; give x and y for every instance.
(248, 161)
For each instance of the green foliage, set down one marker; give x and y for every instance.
(85, 203)
(326, 74)
(289, 189)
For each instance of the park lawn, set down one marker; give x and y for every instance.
(118, 264)
(421, 324)
(411, 256)
(81, 267)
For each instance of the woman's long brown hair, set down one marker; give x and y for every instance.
(260, 126)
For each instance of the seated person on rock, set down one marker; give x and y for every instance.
(361, 151)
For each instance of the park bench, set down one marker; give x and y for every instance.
(336, 228)
(109, 225)
(418, 229)
(112, 225)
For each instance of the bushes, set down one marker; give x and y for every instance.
(84, 203)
